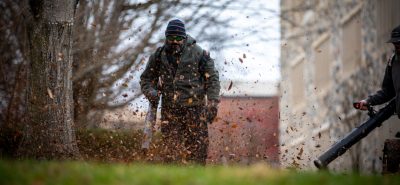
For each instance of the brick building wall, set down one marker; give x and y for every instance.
(246, 131)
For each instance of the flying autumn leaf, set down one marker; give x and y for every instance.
(190, 101)
(50, 93)
(234, 125)
(241, 60)
(300, 153)
(230, 86)
(206, 75)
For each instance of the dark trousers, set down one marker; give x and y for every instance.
(185, 136)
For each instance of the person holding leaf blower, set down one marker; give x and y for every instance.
(189, 91)
(391, 81)
(390, 92)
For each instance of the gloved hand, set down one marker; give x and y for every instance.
(362, 105)
(211, 110)
(153, 97)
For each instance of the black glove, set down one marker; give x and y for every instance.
(153, 97)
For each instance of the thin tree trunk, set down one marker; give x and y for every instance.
(49, 132)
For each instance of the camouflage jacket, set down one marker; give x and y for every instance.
(191, 82)
(390, 85)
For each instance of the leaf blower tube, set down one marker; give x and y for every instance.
(355, 135)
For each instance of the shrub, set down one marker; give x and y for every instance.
(115, 146)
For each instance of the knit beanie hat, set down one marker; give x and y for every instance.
(176, 28)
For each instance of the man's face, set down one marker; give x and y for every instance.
(174, 43)
(396, 46)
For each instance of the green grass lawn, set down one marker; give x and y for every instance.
(37, 173)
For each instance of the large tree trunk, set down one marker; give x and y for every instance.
(49, 132)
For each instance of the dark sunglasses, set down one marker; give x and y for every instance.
(177, 38)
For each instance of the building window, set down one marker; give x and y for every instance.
(322, 63)
(351, 43)
(297, 82)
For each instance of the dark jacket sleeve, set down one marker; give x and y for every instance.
(149, 78)
(211, 75)
(387, 91)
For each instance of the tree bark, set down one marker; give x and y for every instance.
(49, 132)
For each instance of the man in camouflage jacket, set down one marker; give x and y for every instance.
(184, 76)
